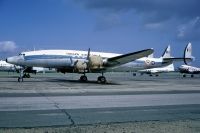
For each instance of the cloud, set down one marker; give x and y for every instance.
(107, 21)
(189, 30)
(168, 15)
(153, 25)
(7, 46)
(157, 10)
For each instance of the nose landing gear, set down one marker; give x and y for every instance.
(23, 75)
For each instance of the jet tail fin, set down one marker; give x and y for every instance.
(188, 53)
(186, 57)
(167, 52)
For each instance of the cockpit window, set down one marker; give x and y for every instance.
(21, 54)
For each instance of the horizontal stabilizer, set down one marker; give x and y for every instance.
(176, 59)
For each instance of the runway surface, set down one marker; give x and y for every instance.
(57, 100)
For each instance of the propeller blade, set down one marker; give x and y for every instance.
(88, 55)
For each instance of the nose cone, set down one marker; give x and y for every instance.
(12, 60)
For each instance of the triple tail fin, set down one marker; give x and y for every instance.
(167, 52)
(188, 53)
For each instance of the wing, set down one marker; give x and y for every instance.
(123, 59)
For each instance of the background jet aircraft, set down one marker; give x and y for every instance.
(156, 71)
(75, 61)
(186, 69)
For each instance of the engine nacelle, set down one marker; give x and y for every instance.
(95, 62)
(80, 66)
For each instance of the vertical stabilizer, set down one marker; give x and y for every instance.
(167, 52)
(188, 52)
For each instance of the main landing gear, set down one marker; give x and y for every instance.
(192, 76)
(101, 79)
(83, 78)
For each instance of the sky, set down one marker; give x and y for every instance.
(119, 26)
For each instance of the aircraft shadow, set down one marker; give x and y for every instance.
(81, 82)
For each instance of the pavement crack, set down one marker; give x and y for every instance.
(56, 105)
(66, 113)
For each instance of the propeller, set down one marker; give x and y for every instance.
(88, 60)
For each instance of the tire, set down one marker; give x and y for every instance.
(83, 78)
(20, 79)
(101, 79)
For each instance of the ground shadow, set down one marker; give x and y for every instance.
(81, 82)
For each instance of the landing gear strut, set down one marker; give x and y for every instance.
(26, 75)
(23, 75)
(20, 78)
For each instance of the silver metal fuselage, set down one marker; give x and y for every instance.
(64, 59)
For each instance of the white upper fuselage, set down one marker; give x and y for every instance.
(66, 58)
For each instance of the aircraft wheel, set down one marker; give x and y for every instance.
(20, 79)
(28, 75)
(134, 74)
(192, 76)
(101, 79)
(157, 75)
(83, 78)
(184, 75)
(150, 75)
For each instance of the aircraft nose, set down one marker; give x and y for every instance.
(11, 60)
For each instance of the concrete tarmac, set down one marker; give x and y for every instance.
(62, 100)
